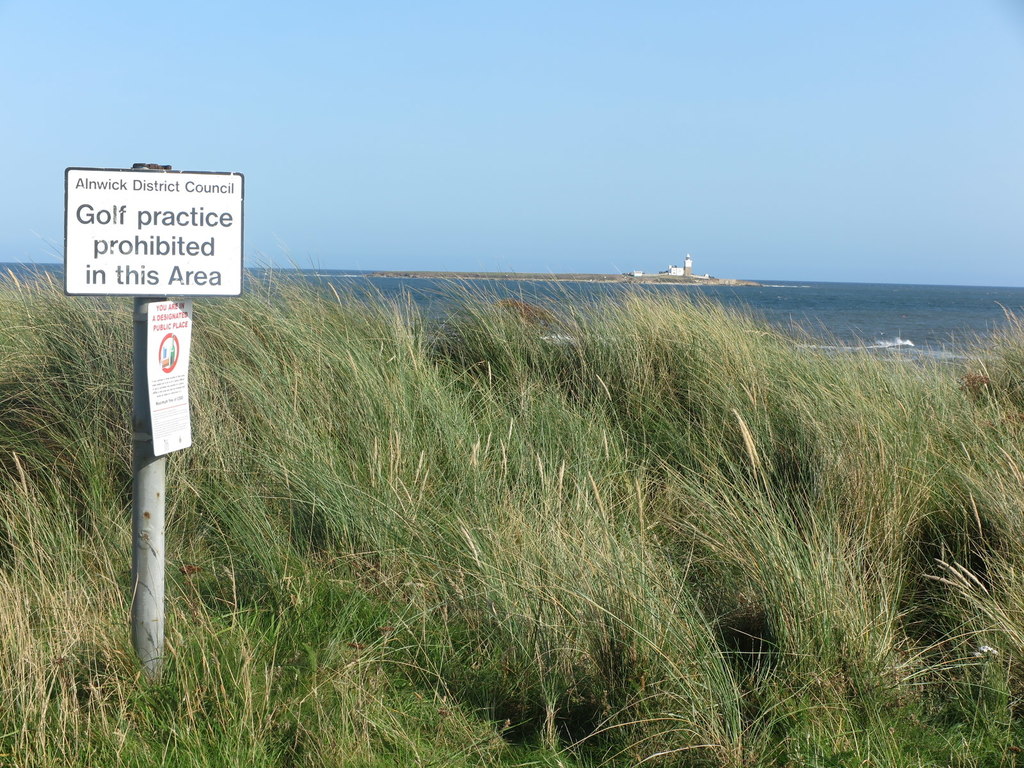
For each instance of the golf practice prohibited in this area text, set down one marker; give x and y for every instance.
(128, 233)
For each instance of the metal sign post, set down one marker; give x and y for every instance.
(148, 496)
(150, 232)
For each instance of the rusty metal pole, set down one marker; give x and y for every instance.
(148, 492)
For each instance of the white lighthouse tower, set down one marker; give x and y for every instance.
(688, 266)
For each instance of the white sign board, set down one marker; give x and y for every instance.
(152, 233)
(169, 334)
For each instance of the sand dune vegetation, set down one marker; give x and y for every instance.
(647, 532)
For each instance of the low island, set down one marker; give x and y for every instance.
(665, 278)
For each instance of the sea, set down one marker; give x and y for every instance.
(944, 322)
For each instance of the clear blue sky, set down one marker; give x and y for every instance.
(873, 141)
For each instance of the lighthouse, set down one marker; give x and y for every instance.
(688, 266)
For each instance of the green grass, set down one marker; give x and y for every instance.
(649, 532)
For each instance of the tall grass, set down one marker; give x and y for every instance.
(647, 532)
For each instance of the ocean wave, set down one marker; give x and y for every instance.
(883, 344)
(880, 344)
(896, 343)
(907, 350)
(558, 338)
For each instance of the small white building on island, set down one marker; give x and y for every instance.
(673, 271)
(684, 271)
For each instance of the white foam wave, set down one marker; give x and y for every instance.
(558, 338)
(880, 344)
(883, 344)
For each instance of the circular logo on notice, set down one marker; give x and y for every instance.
(168, 353)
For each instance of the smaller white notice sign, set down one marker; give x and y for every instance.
(169, 341)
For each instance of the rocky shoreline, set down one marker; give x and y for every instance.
(565, 277)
